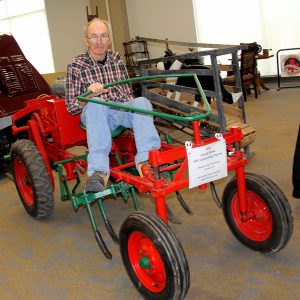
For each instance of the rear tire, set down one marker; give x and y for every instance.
(32, 179)
(271, 226)
(153, 257)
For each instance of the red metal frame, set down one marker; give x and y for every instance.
(159, 188)
(54, 130)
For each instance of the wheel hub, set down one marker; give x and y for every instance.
(146, 262)
(23, 181)
(257, 223)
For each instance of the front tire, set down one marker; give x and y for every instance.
(32, 179)
(270, 225)
(153, 257)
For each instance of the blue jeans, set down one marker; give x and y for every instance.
(101, 120)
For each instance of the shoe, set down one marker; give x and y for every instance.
(141, 165)
(97, 182)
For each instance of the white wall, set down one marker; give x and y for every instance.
(172, 19)
(116, 10)
(66, 20)
(272, 24)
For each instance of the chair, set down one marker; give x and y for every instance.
(247, 70)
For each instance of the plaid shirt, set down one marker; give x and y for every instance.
(84, 70)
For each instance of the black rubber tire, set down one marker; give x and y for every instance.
(37, 194)
(276, 204)
(170, 251)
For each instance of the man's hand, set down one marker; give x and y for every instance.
(97, 89)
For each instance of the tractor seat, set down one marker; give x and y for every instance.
(114, 134)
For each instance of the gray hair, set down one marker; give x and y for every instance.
(86, 26)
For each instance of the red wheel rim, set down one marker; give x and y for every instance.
(259, 226)
(23, 181)
(146, 262)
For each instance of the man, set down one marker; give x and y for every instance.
(90, 71)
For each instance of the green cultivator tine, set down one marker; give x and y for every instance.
(87, 199)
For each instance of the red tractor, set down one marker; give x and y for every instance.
(19, 81)
(255, 209)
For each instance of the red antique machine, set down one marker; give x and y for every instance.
(255, 209)
(19, 81)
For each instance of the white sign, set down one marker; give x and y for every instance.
(206, 163)
(290, 65)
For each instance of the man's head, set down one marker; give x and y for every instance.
(97, 38)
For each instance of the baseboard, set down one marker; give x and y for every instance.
(274, 79)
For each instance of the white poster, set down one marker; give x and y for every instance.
(290, 65)
(206, 163)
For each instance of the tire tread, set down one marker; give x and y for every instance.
(40, 178)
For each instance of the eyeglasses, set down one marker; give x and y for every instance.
(102, 37)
